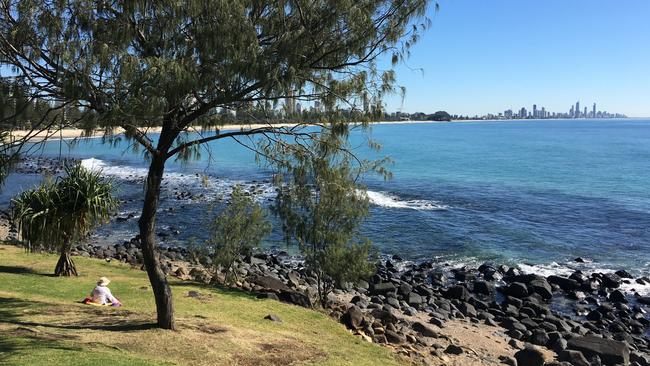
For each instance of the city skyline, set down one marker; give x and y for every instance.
(480, 57)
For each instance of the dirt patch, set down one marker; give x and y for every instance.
(280, 353)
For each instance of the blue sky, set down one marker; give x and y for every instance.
(487, 56)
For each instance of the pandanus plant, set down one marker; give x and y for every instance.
(54, 216)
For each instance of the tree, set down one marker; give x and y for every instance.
(172, 64)
(321, 208)
(56, 215)
(239, 228)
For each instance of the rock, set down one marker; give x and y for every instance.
(394, 337)
(353, 318)
(541, 287)
(295, 298)
(530, 356)
(483, 288)
(575, 358)
(425, 330)
(452, 349)
(457, 292)
(611, 280)
(617, 296)
(268, 295)
(507, 360)
(623, 274)
(269, 283)
(194, 294)
(516, 289)
(414, 299)
(643, 300)
(610, 352)
(539, 337)
(273, 318)
(382, 288)
(467, 309)
(405, 289)
(579, 260)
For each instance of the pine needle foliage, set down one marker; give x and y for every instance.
(55, 215)
(321, 207)
(239, 228)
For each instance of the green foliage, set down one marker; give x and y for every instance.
(321, 207)
(239, 228)
(57, 214)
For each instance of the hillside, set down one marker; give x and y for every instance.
(42, 323)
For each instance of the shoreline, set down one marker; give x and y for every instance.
(73, 133)
(438, 313)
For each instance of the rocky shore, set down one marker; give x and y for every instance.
(439, 314)
(410, 307)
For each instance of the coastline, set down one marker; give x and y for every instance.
(434, 313)
(73, 133)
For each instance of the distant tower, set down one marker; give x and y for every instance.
(593, 111)
(543, 112)
(572, 112)
(577, 110)
(534, 110)
(585, 113)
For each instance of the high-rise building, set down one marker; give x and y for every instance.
(593, 111)
(534, 110)
(572, 111)
(577, 110)
(585, 113)
(543, 112)
(523, 113)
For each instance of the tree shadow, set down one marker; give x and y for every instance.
(216, 288)
(12, 310)
(22, 337)
(17, 270)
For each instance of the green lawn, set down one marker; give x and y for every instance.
(42, 323)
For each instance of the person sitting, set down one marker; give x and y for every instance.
(101, 294)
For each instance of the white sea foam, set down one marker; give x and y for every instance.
(210, 187)
(566, 269)
(390, 201)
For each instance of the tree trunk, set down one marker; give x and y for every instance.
(147, 223)
(65, 266)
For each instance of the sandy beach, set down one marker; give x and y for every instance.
(72, 133)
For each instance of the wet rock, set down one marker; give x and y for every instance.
(617, 296)
(610, 280)
(541, 287)
(623, 274)
(517, 290)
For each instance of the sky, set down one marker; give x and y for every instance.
(482, 57)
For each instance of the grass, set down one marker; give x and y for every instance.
(42, 323)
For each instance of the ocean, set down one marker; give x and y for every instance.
(538, 193)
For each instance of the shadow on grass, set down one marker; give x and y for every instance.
(12, 310)
(23, 338)
(215, 288)
(17, 270)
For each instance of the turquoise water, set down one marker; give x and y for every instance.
(541, 192)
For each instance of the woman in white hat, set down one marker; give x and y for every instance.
(102, 295)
